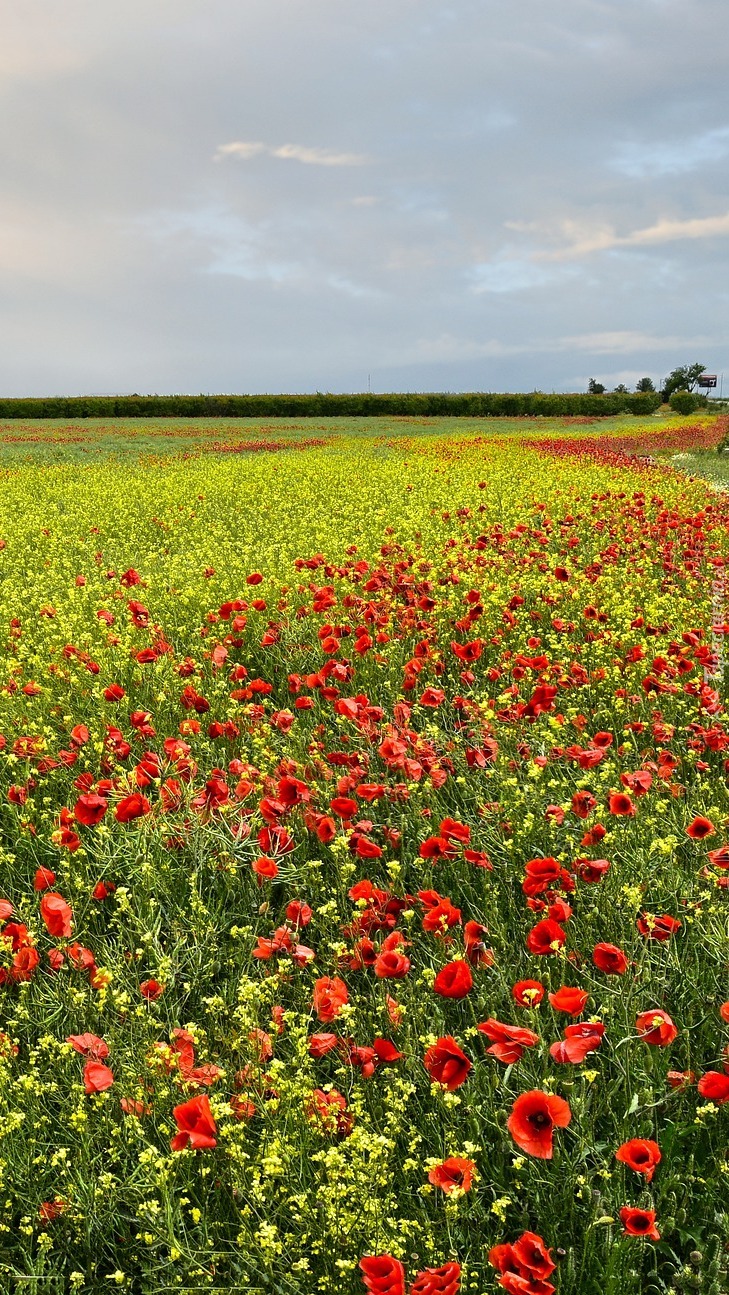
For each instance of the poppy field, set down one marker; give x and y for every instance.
(364, 859)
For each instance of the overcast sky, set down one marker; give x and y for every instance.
(299, 195)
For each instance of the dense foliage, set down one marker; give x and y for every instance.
(362, 405)
(363, 869)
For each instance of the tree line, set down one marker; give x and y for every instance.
(679, 388)
(476, 404)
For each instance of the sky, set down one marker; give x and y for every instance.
(323, 195)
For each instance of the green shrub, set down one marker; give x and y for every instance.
(684, 402)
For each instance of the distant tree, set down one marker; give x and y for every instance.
(644, 384)
(595, 388)
(684, 378)
(621, 389)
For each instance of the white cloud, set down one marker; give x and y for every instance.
(317, 156)
(245, 150)
(663, 231)
(241, 149)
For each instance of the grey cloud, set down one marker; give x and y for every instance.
(512, 274)
(639, 159)
(511, 177)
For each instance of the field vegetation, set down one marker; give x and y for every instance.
(364, 857)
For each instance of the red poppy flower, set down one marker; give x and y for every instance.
(639, 783)
(89, 1045)
(524, 1266)
(90, 808)
(653, 927)
(475, 949)
(438, 1281)
(546, 937)
(298, 913)
(344, 807)
(382, 1275)
(97, 1077)
(640, 1154)
(24, 964)
(714, 1086)
(542, 699)
(447, 1064)
(680, 1078)
(571, 1001)
(621, 805)
(508, 1041)
(720, 857)
(131, 807)
(432, 697)
(583, 803)
(330, 995)
(440, 913)
(533, 1118)
(151, 990)
(56, 914)
(367, 849)
(197, 1127)
(456, 1172)
(48, 1211)
(527, 993)
(385, 1051)
(724, 1012)
(81, 957)
(275, 840)
(700, 828)
(329, 1111)
(610, 959)
(454, 980)
(579, 1040)
(559, 911)
(452, 830)
(265, 868)
(321, 1044)
(132, 1106)
(102, 890)
(594, 835)
(532, 1254)
(391, 965)
(656, 1028)
(479, 859)
(602, 740)
(639, 1223)
(18, 935)
(44, 878)
(436, 847)
(545, 874)
(65, 838)
(592, 870)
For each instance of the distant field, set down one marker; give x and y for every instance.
(364, 848)
(58, 441)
